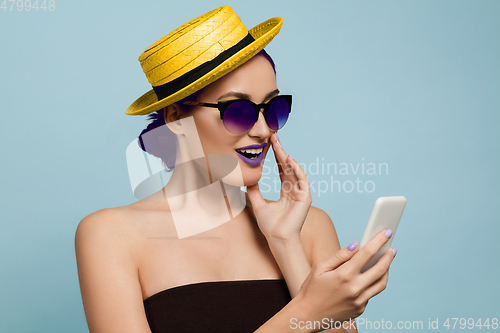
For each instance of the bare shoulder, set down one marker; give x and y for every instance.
(318, 218)
(120, 224)
(104, 224)
(99, 219)
(108, 274)
(318, 235)
(101, 237)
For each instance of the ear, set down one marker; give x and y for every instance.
(172, 115)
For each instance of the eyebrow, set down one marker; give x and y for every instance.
(242, 95)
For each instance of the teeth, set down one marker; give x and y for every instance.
(251, 151)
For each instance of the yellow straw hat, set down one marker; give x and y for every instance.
(197, 54)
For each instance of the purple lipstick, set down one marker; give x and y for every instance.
(252, 155)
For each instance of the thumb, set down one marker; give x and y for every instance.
(255, 196)
(339, 257)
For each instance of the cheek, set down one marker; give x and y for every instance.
(213, 135)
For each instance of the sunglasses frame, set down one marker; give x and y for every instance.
(223, 105)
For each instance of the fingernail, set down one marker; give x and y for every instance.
(291, 157)
(394, 251)
(278, 139)
(388, 233)
(353, 245)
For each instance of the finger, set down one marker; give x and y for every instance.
(275, 140)
(302, 181)
(255, 196)
(280, 172)
(376, 288)
(279, 152)
(276, 145)
(286, 171)
(379, 269)
(371, 248)
(339, 257)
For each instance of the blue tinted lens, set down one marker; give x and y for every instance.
(277, 113)
(239, 117)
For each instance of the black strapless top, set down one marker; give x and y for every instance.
(220, 306)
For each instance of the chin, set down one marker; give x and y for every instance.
(251, 175)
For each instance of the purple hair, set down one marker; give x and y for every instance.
(164, 146)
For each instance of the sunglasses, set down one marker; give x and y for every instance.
(240, 115)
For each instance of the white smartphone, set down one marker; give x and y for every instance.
(385, 215)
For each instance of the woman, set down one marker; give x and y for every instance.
(199, 254)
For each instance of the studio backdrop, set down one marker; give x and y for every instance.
(390, 98)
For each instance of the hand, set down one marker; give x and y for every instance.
(284, 218)
(336, 289)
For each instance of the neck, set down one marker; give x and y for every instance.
(200, 195)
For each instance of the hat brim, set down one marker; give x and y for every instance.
(262, 33)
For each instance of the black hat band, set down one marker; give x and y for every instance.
(188, 78)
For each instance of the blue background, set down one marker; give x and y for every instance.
(414, 84)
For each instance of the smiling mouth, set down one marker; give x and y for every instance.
(250, 153)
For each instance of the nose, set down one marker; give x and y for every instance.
(260, 129)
